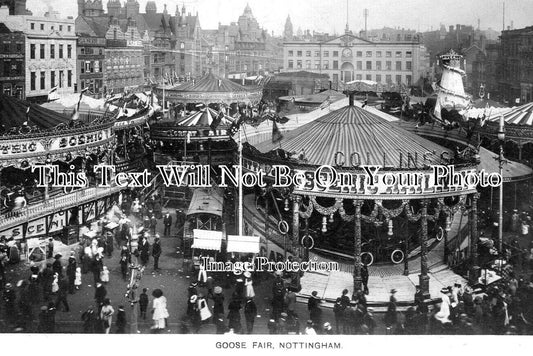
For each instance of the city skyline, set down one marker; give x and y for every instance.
(331, 17)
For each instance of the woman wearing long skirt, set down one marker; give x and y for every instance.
(160, 312)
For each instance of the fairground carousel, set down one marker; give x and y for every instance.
(334, 208)
(31, 137)
(200, 115)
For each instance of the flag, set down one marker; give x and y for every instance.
(27, 122)
(437, 110)
(234, 127)
(276, 134)
(216, 121)
(325, 104)
(52, 94)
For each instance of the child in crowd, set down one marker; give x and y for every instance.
(104, 275)
(77, 281)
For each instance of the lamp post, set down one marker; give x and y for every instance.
(501, 138)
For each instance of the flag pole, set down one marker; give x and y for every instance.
(240, 184)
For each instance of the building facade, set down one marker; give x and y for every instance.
(91, 58)
(516, 65)
(12, 49)
(347, 58)
(50, 53)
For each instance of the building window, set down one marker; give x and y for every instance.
(32, 26)
(368, 65)
(42, 27)
(335, 64)
(398, 54)
(369, 77)
(408, 54)
(308, 53)
(61, 78)
(378, 54)
(378, 78)
(291, 53)
(52, 51)
(359, 65)
(325, 64)
(60, 27)
(42, 51)
(398, 79)
(43, 78)
(82, 67)
(19, 47)
(388, 54)
(69, 51)
(335, 53)
(299, 53)
(359, 54)
(408, 65)
(388, 65)
(369, 53)
(291, 64)
(317, 53)
(308, 64)
(60, 51)
(335, 78)
(6, 47)
(388, 79)
(32, 51)
(7, 68)
(317, 64)
(32, 81)
(299, 64)
(52, 79)
(378, 65)
(398, 65)
(52, 27)
(326, 53)
(408, 80)
(69, 28)
(358, 76)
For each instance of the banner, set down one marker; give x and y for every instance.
(36, 228)
(57, 221)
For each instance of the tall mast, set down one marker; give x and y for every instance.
(240, 184)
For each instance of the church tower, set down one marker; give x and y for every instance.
(288, 32)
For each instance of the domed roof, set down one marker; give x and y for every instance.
(356, 132)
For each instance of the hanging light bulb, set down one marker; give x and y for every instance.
(331, 218)
(286, 205)
(324, 224)
(390, 228)
(448, 226)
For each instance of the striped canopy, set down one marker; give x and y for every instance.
(352, 130)
(204, 118)
(520, 115)
(13, 114)
(512, 171)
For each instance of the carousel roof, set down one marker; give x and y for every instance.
(487, 103)
(13, 114)
(211, 88)
(520, 115)
(352, 129)
(204, 118)
(512, 171)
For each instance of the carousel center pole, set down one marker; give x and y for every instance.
(240, 184)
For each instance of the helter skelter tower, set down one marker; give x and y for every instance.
(450, 91)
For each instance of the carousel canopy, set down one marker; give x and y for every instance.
(204, 118)
(206, 201)
(354, 130)
(69, 101)
(512, 171)
(487, 103)
(520, 115)
(212, 89)
(13, 114)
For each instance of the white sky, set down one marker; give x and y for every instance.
(330, 15)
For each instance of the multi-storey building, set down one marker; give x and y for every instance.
(347, 58)
(16, 7)
(516, 65)
(50, 53)
(91, 57)
(12, 80)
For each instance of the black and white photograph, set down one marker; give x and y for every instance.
(334, 169)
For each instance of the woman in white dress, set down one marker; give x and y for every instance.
(248, 283)
(106, 315)
(160, 312)
(444, 312)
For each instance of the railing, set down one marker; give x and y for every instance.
(76, 198)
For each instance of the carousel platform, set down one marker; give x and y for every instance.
(384, 277)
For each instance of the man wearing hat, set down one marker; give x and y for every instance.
(156, 252)
(192, 290)
(218, 299)
(9, 297)
(167, 221)
(309, 329)
(121, 320)
(250, 313)
(57, 266)
(315, 313)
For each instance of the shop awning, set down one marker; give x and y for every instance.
(207, 239)
(243, 244)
